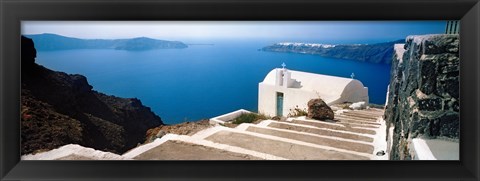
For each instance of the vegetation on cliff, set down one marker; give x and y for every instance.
(59, 108)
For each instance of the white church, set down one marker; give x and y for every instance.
(283, 90)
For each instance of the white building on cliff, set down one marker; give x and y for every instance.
(283, 90)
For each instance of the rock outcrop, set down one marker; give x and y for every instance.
(186, 128)
(59, 108)
(373, 53)
(29, 53)
(319, 110)
(423, 97)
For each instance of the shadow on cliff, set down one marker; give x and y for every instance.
(59, 108)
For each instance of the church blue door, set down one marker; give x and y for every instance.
(279, 104)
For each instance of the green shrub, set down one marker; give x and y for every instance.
(296, 112)
(346, 107)
(249, 118)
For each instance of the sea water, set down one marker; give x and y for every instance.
(201, 81)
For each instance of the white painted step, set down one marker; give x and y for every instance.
(282, 147)
(348, 119)
(331, 141)
(334, 126)
(318, 131)
(182, 147)
(361, 115)
(73, 152)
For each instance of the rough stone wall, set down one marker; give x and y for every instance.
(423, 97)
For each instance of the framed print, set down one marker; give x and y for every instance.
(239, 90)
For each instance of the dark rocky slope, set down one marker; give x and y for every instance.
(423, 97)
(186, 128)
(59, 108)
(373, 53)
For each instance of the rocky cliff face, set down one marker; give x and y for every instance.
(423, 97)
(59, 108)
(373, 53)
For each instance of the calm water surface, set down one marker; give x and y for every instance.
(201, 81)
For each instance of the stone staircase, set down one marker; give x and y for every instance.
(352, 135)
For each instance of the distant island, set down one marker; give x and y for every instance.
(373, 53)
(207, 44)
(48, 42)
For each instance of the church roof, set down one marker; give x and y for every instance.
(329, 87)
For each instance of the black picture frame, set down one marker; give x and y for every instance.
(12, 12)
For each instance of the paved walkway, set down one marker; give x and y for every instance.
(352, 135)
(179, 150)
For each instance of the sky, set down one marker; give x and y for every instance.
(183, 30)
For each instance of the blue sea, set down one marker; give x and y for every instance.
(202, 81)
